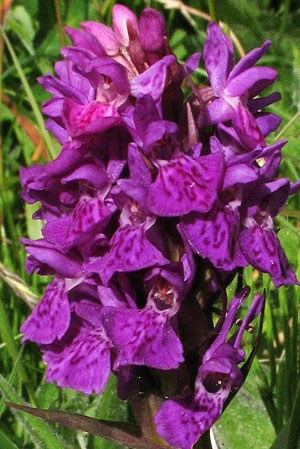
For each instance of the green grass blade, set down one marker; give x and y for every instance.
(11, 378)
(8, 338)
(30, 96)
(6, 442)
(40, 432)
(294, 428)
(19, 287)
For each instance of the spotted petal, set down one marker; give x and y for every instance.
(152, 81)
(214, 235)
(246, 127)
(51, 317)
(218, 57)
(181, 422)
(46, 259)
(144, 337)
(83, 365)
(89, 215)
(263, 250)
(95, 117)
(130, 250)
(249, 60)
(186, 184)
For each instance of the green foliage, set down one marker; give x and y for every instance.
(245, 423)
(32, 46)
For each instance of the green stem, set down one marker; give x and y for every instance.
(212, 10)
(294, 428)
(59, 23)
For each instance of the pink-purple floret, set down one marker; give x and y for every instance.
(147, 193)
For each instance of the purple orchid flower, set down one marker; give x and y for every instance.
(181, 421)
(146, 336)
(151, 206)
(81, 359)
(234, 87)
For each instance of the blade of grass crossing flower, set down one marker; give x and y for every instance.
(41, 434)
(18, 286)
(30, 97)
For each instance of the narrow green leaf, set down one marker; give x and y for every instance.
(8, 338)
(293, 437)
(6, 442)
(22, 16)
(40, 432)
(12, 377)
(122, 433)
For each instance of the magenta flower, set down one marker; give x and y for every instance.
(151, 208)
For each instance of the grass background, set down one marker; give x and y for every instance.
(30, 45)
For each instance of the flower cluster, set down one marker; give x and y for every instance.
(152, 205)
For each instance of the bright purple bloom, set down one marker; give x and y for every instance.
(151, 206)
(181, 421)
(84, 349)
(233, 87)
(51, 318)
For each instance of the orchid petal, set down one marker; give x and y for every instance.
(51, 317)
(263, 250)
(218, 57)
(83, 365)
(144, 337)
(186, 184)
(152, 81)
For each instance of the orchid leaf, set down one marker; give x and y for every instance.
(245, 424)
(121, 433)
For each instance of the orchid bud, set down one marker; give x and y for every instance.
(104, 35)
(153, 34)
(120, 16)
